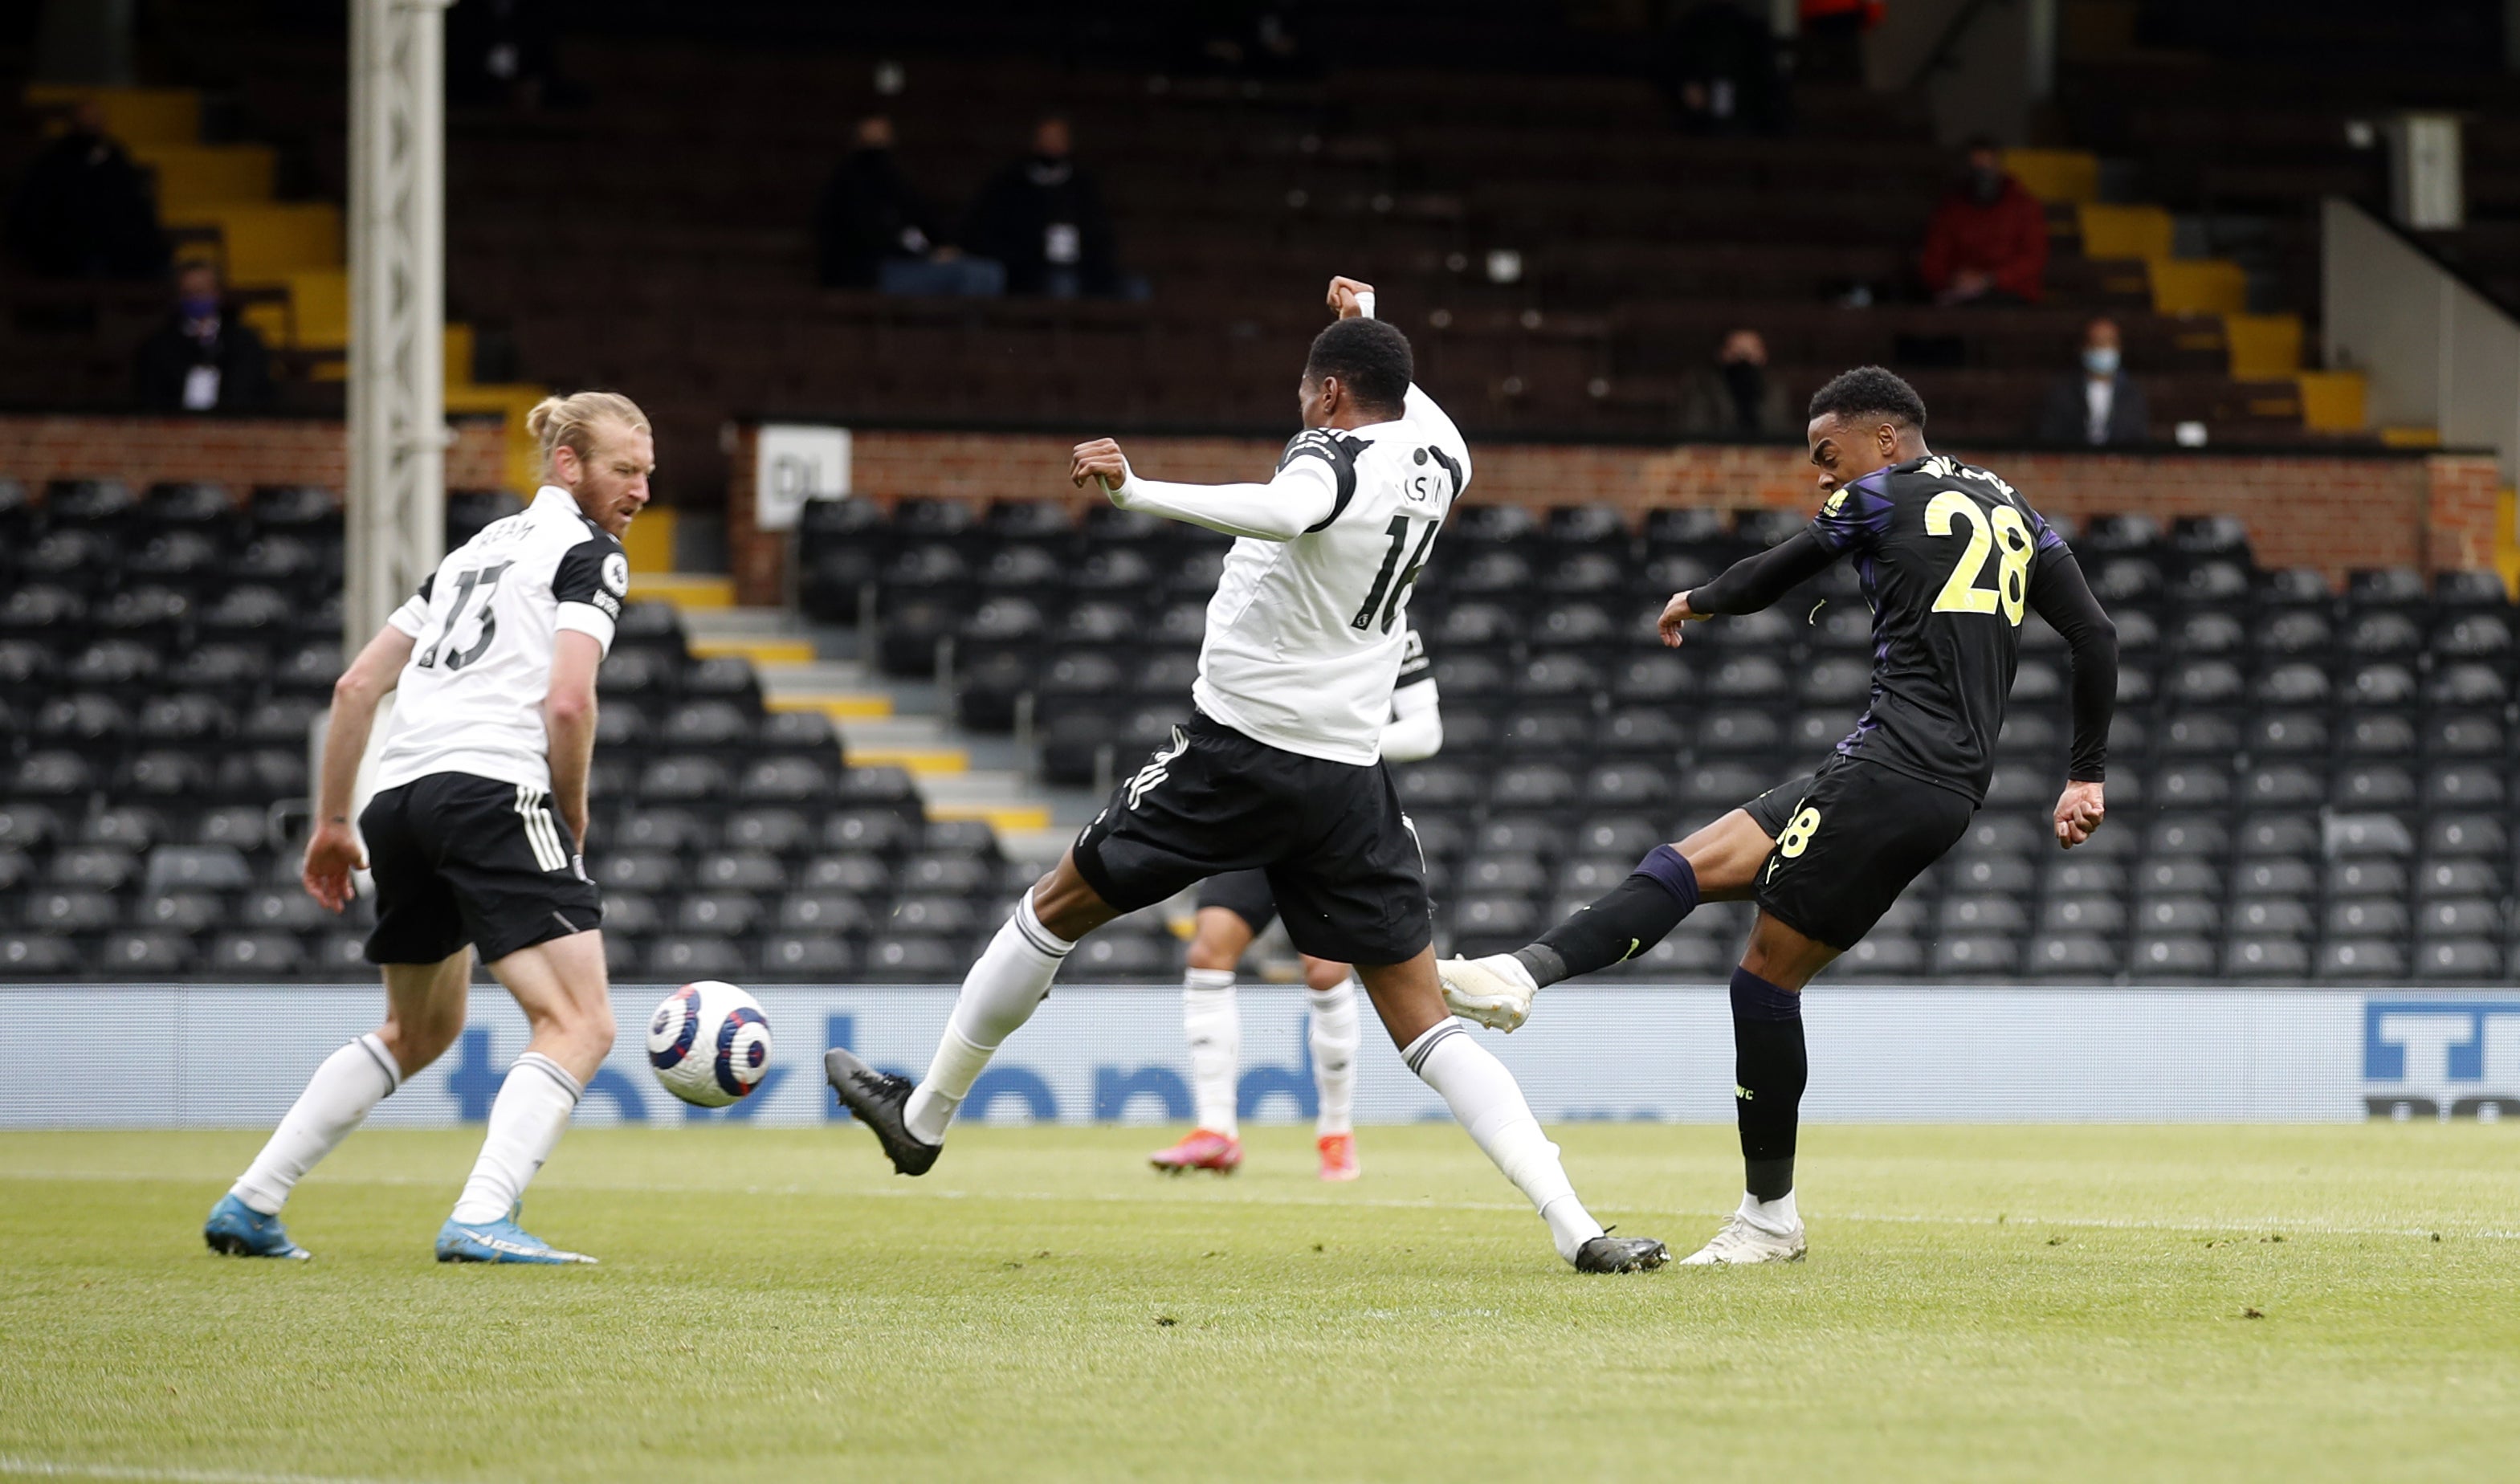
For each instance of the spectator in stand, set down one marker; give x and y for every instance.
(202, 358)
(2101, 404)
(1043, 218)
(871, 213)
(1988, 241)
(84, 209)
(1735, 397)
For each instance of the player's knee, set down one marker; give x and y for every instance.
(418, 1043)
(1322, 976)
(1210, 951)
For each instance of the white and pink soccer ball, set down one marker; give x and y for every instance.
(709, 1044)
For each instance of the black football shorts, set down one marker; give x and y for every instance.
(1244, 893)
(1851, 843)
(1340, 858)
(460, 859)
(1769, 810)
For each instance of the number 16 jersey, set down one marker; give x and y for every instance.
(1949, 556)
(1305, 636)
(485, 625)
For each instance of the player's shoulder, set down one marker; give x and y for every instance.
(590, 566)
(1340, 448)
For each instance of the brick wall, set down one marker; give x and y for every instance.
(2330, 511)
(239, 452)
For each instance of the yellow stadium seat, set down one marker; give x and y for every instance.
(2071, 176)
(134, 115)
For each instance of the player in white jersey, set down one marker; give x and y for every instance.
(1238, 906)
(1281, 767)
(476, 829)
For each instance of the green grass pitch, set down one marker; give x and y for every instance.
(2019, 1303)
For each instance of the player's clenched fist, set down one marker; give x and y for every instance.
(1101, 460)
(2078, 811)
(1675, 614)
(1351, 297)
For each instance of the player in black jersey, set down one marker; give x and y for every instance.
(1952, 558)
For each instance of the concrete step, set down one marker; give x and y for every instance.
(1005, 800)
(688, 591)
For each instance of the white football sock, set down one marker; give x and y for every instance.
(999, 993)
(1776, 1217)
(1213, 1021)
(1333, 1037)
(1484, 1096)
(526, 1120)
(338, 1098)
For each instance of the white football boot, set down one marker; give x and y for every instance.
(1747, 1238)
(1494, 991)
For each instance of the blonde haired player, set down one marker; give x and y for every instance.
(476, 829)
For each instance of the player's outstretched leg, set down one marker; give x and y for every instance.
(1212, 1023)
(999, 993)
(424, 1012)
(1718, 863)
(559, 984)
(1769, 1071)
(1332, 1037)
(1484, 1096)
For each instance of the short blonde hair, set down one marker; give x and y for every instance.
(569, 422)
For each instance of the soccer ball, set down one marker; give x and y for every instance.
(709, 1042)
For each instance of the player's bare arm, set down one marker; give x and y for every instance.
(332, 851)
(569, 718)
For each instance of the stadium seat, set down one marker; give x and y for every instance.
(693, 958)
(145, 955)
(2360, 960)
(915, 961)
(2451, 957)
(2073, 955)
(255, 955)
(34, 954)
(800, 956)
(1882, 956)
(2175, 957)
(2256, 958)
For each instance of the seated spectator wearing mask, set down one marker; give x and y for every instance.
(871, 213)
(202, 359)
(1988, 240)
(84, 209)
(1042, 217)
(1735, 397)
(2102, 405)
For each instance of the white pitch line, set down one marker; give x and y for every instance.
(2236, 1225)
(49, 1468)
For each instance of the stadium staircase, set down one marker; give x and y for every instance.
(283, 259)
(883, 721)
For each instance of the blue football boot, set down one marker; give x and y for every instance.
(239, 1231)
(499, 1241)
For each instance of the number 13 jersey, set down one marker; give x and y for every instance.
(1949, 555)
(483, 626)
(1305, 636)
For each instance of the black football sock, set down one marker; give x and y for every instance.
(1769, 1071)
(1639, 913)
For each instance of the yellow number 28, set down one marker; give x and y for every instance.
(1960, 592)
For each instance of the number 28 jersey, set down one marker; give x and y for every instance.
(484, 626)
(1949, 556)
(1305, 636)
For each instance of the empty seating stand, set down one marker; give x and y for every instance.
(2303, 785)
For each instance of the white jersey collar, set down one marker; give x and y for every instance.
(552, 499)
